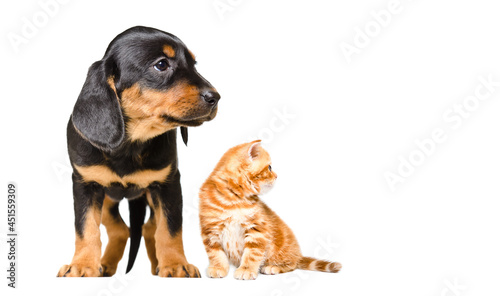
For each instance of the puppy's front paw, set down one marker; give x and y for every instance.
(179, 270)
(245, 273)
(108, 270)
(79, 270)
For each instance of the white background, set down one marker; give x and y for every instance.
(350, 122)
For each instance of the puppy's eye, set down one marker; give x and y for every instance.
(161, 65)
(270, 169)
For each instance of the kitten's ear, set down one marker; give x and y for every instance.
(254, 150)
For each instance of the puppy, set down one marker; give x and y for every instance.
(122, 144)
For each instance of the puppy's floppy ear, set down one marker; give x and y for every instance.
(184, 133)
(97, 113)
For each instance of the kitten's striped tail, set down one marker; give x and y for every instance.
(308, 263)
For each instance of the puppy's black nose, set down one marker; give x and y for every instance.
(211, 97)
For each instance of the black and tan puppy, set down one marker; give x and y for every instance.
(122, 144)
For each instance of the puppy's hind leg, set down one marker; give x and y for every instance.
(118, 234)
(148, 231)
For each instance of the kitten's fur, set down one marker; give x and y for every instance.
(238, 228)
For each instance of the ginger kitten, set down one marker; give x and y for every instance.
(238, 228)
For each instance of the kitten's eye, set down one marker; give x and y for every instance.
(270, 168)
(161, 65)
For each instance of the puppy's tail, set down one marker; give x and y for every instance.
(137, 209)
(308, 263)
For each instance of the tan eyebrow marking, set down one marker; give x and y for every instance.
(169, 51)
(192, 55)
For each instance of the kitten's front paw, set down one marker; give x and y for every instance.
(244, 273)
(217, 271)
(270, 269)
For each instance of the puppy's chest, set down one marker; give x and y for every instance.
(135, 166)
(107, 177)
(126, 172)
